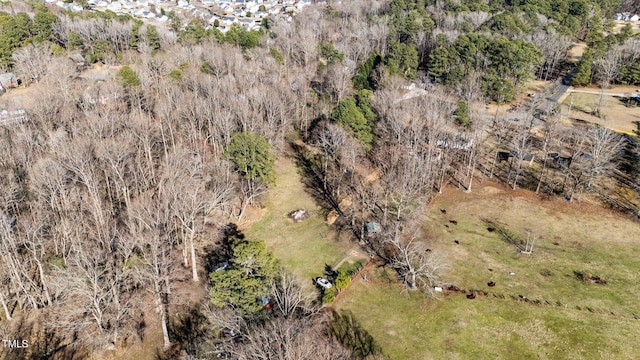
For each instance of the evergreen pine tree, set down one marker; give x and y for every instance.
(582, 76)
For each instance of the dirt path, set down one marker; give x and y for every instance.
(352, 255)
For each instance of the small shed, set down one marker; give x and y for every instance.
(8, 80)
(372, 227)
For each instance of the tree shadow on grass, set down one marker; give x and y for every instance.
(506, 235)
(42, 342)
(346, 329)
(309, 168)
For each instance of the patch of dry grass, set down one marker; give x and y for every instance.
(616, 115)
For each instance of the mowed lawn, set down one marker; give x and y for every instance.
(563, 316)
(303, 247)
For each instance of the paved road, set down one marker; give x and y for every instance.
(553, 100)
(561, 90)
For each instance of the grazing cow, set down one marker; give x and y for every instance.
(453, 222)
(471, 296)
(564, 161)
(456, 241)
(443, 211)
(503, 156)
(453, 288)
(491, 283)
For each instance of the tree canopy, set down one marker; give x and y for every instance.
(582, 75)
(252, 156)
(245, 282)
(128, 76)
(348, 115)
(403, 60)
(19, 29)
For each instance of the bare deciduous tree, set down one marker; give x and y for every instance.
(419, 266)
(32, 62)
(551, 130)
(603, 148)
(150, 233)
(289, 297)
(289, 339)
(607, 69)
(520, 147)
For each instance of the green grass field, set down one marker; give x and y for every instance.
(304, 247)
(564, 317)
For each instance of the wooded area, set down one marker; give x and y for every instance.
(116, 192)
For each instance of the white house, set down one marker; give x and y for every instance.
(114, 6)
(253, 7)
(247, 23)
(228, 20)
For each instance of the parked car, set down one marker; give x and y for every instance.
(324, 283)
(222, 266)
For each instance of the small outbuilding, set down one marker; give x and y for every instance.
(8, 80)
(372, 228)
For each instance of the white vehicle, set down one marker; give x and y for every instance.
(324, 283)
